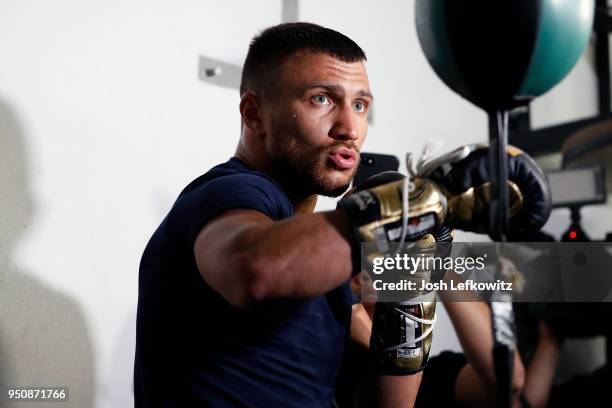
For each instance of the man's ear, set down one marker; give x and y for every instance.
(250, 110)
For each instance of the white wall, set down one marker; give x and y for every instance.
(103, 120)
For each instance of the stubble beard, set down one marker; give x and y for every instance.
(301, 168)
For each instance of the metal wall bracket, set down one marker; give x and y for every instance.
(228, 75)
(219, 73)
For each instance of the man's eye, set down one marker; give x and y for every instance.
(359, 106)
(321, 99)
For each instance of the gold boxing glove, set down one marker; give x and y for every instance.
(375, 210)
(402, 329)
(402, 334)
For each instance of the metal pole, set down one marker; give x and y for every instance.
(502, 316)
(498, 167)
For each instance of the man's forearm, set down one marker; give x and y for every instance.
(381, 390)
(387, 391)
(541, 370)
(304, 256)
(398, 391)
(472, 322)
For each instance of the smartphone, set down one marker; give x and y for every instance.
(374, 163)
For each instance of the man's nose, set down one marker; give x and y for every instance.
(346, 125)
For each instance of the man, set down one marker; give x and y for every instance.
(243, 293)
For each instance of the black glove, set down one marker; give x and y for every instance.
(466, 184)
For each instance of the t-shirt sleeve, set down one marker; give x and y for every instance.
(238, 191)
(354, 298)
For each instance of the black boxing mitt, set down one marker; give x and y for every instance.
(466, 183)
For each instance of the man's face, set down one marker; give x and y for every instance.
(316, 121)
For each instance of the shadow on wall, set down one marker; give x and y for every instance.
(44, 339)
(120, 391)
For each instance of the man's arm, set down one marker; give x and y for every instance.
(476, 382)
(386, 391)
(542, 368)
(247, 257)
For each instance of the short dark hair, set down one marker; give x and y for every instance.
(269, 49)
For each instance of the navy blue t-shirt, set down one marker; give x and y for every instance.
(194, 349)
